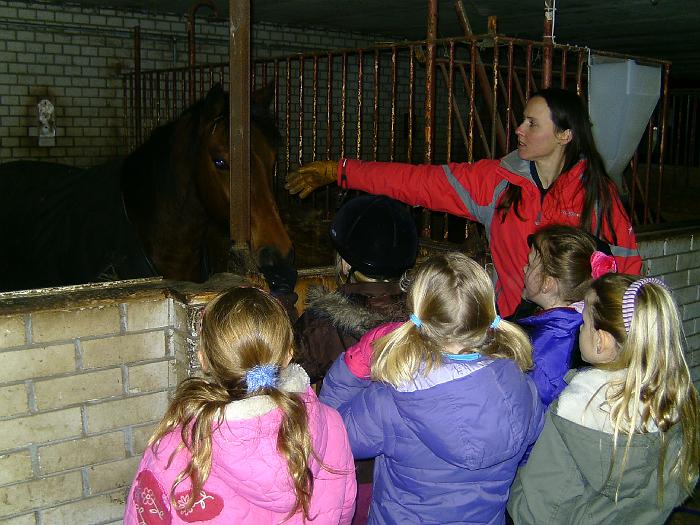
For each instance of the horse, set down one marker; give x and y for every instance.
(161, 211)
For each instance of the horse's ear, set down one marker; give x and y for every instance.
(215, 102)
(262, 97)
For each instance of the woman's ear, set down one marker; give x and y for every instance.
(564, 137)
(606, 347)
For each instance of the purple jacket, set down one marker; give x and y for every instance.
(554, 335)
(447, 446)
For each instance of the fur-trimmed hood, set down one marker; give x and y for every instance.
(358, 307)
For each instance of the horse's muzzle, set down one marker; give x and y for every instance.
(279, 271)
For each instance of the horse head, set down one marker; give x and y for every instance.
(271, 246)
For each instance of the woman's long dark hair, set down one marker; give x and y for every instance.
(568, 112)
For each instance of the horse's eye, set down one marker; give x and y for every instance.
(220, 164)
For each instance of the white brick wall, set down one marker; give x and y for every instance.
(674, 257)
(75, 57)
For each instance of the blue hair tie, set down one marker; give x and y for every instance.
(496, 321)
(415, 320)
(261, 376)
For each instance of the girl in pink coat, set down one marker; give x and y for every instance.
(249, 443)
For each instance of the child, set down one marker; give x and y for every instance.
(376, 242)
(250, 443)
(448, 412)
(620, 445)
(562, 262)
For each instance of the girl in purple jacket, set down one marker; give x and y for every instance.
(441, 401)
(249, 443)
(562, 263)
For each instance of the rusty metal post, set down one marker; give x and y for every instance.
(191, 51)
(662, 143)
(429, 103)
(484, 83)
(548, 43)
(239, 122)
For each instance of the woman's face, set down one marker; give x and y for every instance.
(537, 138)
(534, 277)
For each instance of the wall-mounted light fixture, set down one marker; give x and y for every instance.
(47, 122)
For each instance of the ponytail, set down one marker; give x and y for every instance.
(197, 407)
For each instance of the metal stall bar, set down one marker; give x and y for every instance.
(239, 122)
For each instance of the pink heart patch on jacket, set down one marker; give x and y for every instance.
(205, 507)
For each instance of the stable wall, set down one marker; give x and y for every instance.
(75, 57)
(674, 255)
(86, 375)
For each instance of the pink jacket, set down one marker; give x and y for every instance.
(249, 481)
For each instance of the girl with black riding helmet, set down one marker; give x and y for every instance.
(376, 242)
(556, 176)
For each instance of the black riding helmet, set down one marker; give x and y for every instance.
(376, 236)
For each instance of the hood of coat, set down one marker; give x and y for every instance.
(249, 433)
(517, 171)
(356, 308)
(472, 414)
(562, 321)
(581, 418)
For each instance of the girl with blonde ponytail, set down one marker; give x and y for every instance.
(621, 444)
(249, 442)
(441, 400)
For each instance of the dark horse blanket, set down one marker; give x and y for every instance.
(62, 223)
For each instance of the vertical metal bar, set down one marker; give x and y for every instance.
(276, 116)
(392, 133)
(494, 95)
(343, 104)
(563, 68)
(662, 145)
(159, 100)
(300, 145)
(450, 99)
(329, 108)
(125, 111)
(288, 113)
(509, 95)
(647, 176)
(548, 44)
(375, 108)
(314, 110)
(411, 90)
(528, 72)
(472, 107)
(429, 102)
(579, 71)
(360, 76)
(239, 122)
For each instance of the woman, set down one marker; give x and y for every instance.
(555, 176)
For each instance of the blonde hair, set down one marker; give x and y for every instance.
(565, 252)
(454, 299)
(656, 387)
(241, 328)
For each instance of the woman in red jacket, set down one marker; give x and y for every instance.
(556, 176)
